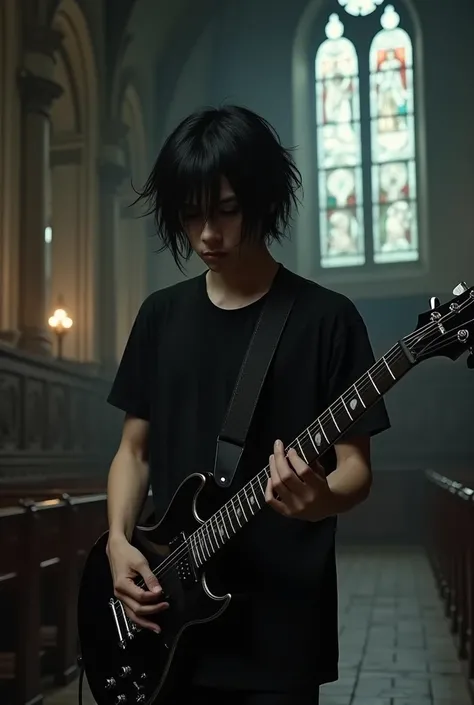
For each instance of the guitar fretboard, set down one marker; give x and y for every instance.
(313, 442)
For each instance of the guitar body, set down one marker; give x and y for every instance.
(139, 665)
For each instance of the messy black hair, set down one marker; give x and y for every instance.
(229, 141)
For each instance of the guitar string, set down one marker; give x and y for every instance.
(203, 532)
(212, 522)
(390, 356)
(184, 549)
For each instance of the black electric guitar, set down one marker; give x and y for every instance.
(126, 665)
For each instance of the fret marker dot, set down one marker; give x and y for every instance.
(317, 439)
(252, 500)
(353, 404)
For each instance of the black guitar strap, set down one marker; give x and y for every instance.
(257, 360)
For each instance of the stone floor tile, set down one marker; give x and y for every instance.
(444, 667)
(327, 699)
(395, 645)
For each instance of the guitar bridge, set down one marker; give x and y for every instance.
(184, 566)
(122, 641)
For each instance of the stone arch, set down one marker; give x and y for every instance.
(131, 240)
(74, 202)
(303, 129)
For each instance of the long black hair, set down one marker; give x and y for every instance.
(231, 142)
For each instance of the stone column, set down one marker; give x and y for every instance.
(113, 171)
(38, 91)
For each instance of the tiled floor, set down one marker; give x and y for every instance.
(395, 645)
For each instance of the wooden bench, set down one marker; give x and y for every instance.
(450, 545)
(42, 549)
(44, 541)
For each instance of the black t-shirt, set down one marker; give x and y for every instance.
(178, 372)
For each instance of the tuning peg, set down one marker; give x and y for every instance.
(460, 288)
(434, 302)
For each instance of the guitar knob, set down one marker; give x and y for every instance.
(434, 302)
(121, 699)
(110, 683)
(141, 698)
(125, 671)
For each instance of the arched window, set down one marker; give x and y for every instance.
(366, 145)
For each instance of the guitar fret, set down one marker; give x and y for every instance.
(250, 500)
(324, 432)
(334, 420)
(215, 537)
(202, 557)
(357, 392)
(254, 494)
(224, 524)
(202, 544)
(347, 409)
(375, 386)
(220, 529)
(236, 512)
(302, 451)
(242, 507)
(194, 552)
(311, 439)
(206, 536)
(230, 518)
(388, 368)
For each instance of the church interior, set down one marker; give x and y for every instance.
(374, 97)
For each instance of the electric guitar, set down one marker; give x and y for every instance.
(125, 664)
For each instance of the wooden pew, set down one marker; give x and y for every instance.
(43, 546)
(52, 536)
(450, 546)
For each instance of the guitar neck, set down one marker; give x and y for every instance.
(312, 443)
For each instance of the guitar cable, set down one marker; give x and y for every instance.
(81, 679)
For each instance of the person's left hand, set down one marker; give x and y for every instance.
(302, 491)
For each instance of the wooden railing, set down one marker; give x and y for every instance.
(450, 545)
(54, 420)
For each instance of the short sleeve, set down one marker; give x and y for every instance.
(130, 390)
(351, 356)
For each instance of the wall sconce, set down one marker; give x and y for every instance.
(60, 322)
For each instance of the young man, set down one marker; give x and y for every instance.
(224, 188)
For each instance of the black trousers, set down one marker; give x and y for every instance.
(209, 696)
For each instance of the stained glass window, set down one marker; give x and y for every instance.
(366, 151)
(360, 7)
(339, 150)
(395, 234)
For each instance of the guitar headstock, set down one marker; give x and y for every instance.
(446, 330)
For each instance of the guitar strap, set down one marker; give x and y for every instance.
(256, 363)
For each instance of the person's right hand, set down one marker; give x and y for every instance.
(126, 564)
